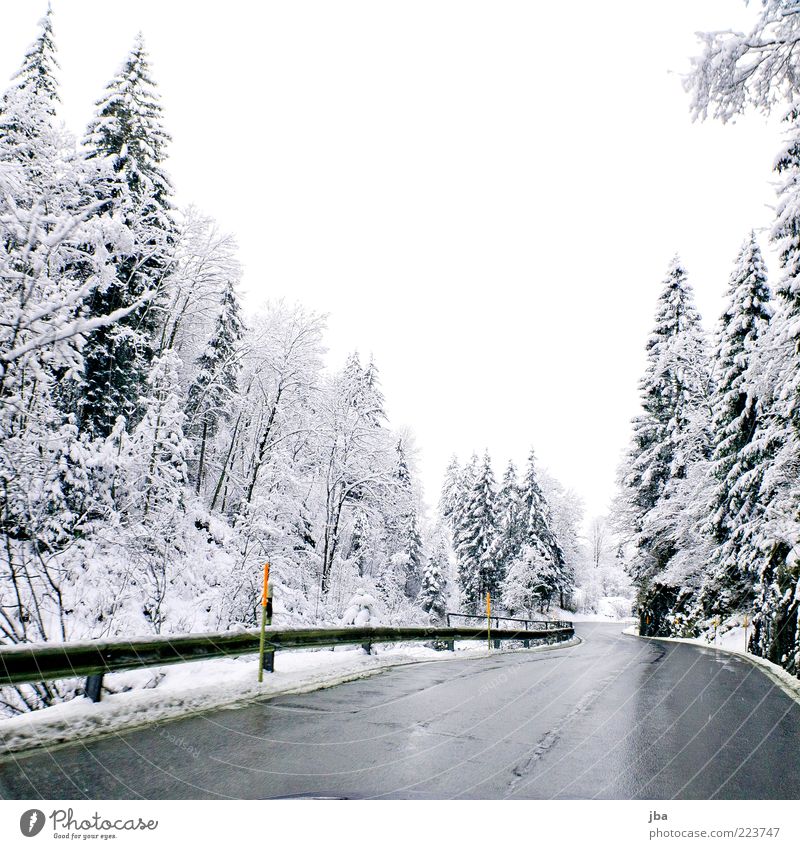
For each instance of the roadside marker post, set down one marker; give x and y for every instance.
(746, 625)
(266, 619)
(489, 619)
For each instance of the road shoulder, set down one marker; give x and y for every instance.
(777, 674)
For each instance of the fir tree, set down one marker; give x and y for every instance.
(477, 570)
(38, 69)
(433, 591)
(216, 382)
(776, 532)
(365, 391)
(405, 541)
(126, 132)
(672, 433)
(511, 521)
(451, 491)
(28, 107)
(460, 498)
(736, 410)
(539, 532)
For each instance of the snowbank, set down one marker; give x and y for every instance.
(163, 693)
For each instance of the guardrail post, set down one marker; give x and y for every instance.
(94, 687)
(266, 660)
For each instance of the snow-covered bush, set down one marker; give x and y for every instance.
(360, 610)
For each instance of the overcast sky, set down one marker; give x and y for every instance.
(484, 195)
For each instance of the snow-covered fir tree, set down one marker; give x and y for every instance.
(672, 433)
(433, 591)
(404, 544)
(512, 522)
(736, 414)
(476, 535)
(775, 528)
(539, 534)
(451, 491)
(461, 495)
(28, 110)
(127, 140)
(215, 386)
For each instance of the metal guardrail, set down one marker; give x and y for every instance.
(33, 663)
(546, 624)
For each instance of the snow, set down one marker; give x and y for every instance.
(166, 692)
(609, 610)
(360, 609)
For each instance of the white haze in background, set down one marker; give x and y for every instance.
(483, 195)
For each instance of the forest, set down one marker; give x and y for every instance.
(158, 445)
(708, 504)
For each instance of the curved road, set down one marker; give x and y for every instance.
(613, 718)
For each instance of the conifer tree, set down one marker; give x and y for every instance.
(28, 108)
(404, 541)
(511, 521)
(460, 498)
(736, 411)
(127, 135)
(448, 500)
(216, 382)
(777, 531)
(538, 525)
(433, 591)
(672, 432)
(477, 570)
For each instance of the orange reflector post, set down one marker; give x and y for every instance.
(266, 585)
(489, 620)
(264, 603)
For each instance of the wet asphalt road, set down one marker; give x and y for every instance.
(614, 718)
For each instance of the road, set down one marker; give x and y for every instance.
(613, 718)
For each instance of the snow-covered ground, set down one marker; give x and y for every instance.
(162, 693)
(609, 609)
(732, 641)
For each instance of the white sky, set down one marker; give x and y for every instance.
(484, 195)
